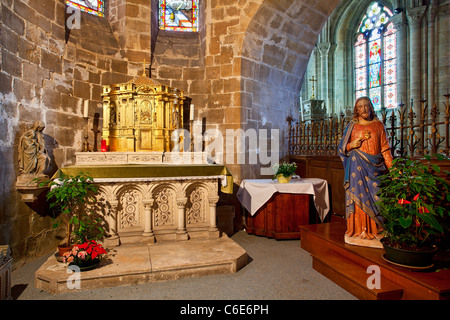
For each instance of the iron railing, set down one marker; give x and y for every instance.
(408, 134)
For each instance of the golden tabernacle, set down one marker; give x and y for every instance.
(141, 114)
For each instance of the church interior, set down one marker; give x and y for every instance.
(176, 107)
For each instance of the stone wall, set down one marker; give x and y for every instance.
(44, 77)
(242, 70)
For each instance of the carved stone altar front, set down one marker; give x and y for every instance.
(148, 203)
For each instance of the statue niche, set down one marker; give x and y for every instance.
(142, 115)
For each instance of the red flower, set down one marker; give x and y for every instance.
(417, 223)
(416, 197)
(403, 201)
(92, 248)
(423, 210)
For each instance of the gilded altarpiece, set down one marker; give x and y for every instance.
(141, 115)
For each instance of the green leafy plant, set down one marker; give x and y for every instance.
(285, 169)
(412, 201)
(73, 198)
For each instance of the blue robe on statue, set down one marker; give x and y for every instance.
(361, 171)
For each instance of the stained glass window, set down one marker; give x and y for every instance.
(375, 58)
(95, 7)
(178, 15)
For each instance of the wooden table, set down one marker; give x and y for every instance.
(289, 206)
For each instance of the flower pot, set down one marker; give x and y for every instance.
(420, 258)
(91, 264)
(283, 179)
(63, 249)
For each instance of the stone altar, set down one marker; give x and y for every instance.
(147, 203)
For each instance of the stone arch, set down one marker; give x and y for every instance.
(164, 207)
(130, 207)
(275, 52)
(197, 205)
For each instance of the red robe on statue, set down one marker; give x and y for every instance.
(359, 224)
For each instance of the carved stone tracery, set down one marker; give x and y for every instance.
(163, 207)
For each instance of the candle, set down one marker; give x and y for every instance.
(191, 113)
(103, 145)
(86, 106)
(301, 107)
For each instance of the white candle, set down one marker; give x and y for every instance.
(86, 106)
(301, 107)
(191, 113)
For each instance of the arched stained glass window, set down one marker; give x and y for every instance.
(178, 15)
(375, 58)
(95, 7)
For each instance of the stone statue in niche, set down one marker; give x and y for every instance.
(33, 157)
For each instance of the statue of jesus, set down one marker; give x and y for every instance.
(366, 155)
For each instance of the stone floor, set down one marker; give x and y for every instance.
(275, 270)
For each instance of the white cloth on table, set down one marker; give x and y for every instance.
(254, 193)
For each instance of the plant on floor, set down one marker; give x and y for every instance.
(72, 199)
(85, 254)
(413, 201)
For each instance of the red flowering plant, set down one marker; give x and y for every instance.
(413, 200)
(85, 254)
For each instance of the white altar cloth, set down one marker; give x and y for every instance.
(254, 193)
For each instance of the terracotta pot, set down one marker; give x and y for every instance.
(412, 258)
(283, 179)
(63, 249)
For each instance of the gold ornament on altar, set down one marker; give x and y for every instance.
(141, 115)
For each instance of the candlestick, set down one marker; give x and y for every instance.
(86, 131)
(191, 113)
(86, 108)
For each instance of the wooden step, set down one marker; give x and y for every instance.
(326, 239)
(353, 277)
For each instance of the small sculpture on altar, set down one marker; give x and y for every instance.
(33, 157)
(366, 154)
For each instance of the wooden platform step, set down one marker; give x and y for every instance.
(347, 266)
(353, 277)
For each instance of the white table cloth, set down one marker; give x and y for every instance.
(254, 193)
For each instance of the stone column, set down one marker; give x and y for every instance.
(213, 230)
(148, 235)
(401, 25)
(431, 54)
(414, 19)
(326, 50)
(181, 233)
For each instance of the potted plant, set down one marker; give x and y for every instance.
(86, 255)
(72, 199)
(284, 172)
(412, 200)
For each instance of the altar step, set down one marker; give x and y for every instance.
(353, 277)
(347, 265)
(133, 264)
